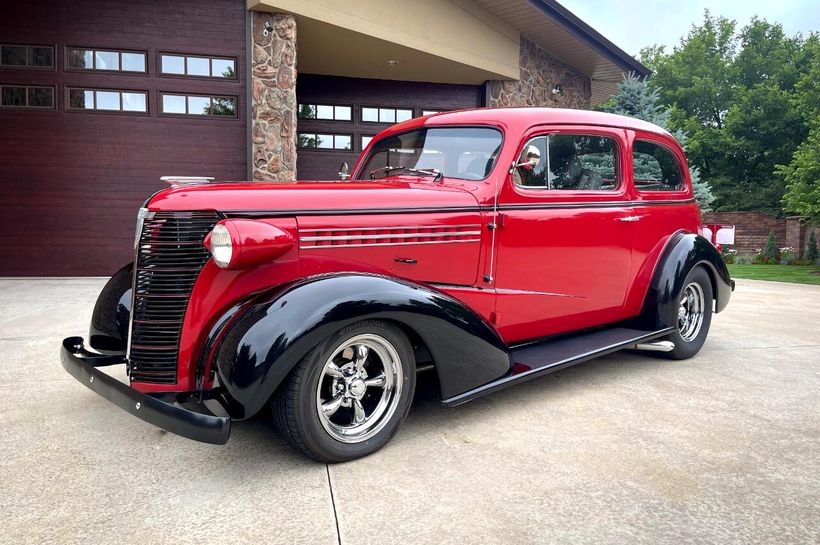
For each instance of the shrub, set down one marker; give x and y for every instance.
(811, 249)
(743, 260)
(729, 256)
(788, 255)
(769, 254)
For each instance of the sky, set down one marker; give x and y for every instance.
(633, 24)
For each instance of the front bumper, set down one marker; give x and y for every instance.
(168, 415)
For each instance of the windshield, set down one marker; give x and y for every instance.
(466, 153)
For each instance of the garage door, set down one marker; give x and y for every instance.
(100, 99)
(338, 116)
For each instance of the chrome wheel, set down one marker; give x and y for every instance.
(359, 388)
(690, 311)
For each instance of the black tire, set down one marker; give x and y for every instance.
(689, 345)
(296, 409)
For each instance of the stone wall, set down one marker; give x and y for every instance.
(540, 73)
(273, 98)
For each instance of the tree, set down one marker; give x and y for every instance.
(770, 250)
(636, 99)
(811, 248)
(802, 177)
(746, 99)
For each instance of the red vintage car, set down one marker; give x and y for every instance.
(490, 246)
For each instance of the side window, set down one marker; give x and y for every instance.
(656, 167)
(575, 162)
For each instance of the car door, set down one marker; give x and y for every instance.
(564, 242)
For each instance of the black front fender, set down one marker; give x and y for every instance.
(108, 332)
(683, 252)
(281, 327)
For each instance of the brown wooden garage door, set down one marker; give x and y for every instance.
(337, 115)
(100, 99)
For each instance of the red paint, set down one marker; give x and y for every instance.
(565, 262)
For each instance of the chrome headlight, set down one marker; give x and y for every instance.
(221, 246)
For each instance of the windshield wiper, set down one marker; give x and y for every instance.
(437, 175)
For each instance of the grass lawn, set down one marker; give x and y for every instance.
(800, 274)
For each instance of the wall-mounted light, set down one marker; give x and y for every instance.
(267, 29)
(392, 62)
(558, 91)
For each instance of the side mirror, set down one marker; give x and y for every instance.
(344, 171)
(530, 158)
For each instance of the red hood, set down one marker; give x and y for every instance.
(302, 196)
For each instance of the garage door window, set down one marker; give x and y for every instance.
(309, 140)
(108, 60)
(198, 105)
(179, 64)
(27, 96)
(386, 115)
(26, 56)
(325, 111)
(107, 100)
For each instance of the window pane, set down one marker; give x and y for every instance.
(224, 106)
(41, 97)
(133, 102)
(80, 99)
(106, 60)
(656, 168)
(324, 141)
(403, 115)
(79, 58)
(171, 64)
(173, 104)
(343, 141)
(387, 115)
(42, 56)
(12, 55)
(199, 105)
(133, 62)
(370, 114)
(307, 140)
(343, 113)
(198, 66)
(324, 112)
(14, 96)
(366, 140)
(223, 68)
(571, 162)
(307, 111)
(107, 100)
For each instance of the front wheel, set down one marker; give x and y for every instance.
(693, 315)
(347, 397)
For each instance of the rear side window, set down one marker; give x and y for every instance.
(656, 168)
(572, 162)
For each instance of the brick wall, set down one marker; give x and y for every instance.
(752, 230)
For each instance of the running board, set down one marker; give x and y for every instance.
(537, 359)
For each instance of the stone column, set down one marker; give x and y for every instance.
(273, 97)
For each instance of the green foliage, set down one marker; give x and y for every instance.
(802, 178)
(747, 100)
(636, 98)
(811, 249)
(770, 250)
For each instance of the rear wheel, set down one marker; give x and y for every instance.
(348, 396)
(693, 315)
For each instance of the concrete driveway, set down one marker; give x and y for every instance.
(723, 448)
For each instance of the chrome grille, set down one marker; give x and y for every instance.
(169, 258)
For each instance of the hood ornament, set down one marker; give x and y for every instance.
(182, 181)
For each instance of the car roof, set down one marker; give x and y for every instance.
(522, 118)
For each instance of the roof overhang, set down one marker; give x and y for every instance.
(452, 41)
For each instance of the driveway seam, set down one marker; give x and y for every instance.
(333, 503)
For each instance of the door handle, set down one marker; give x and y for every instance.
(630, 218)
